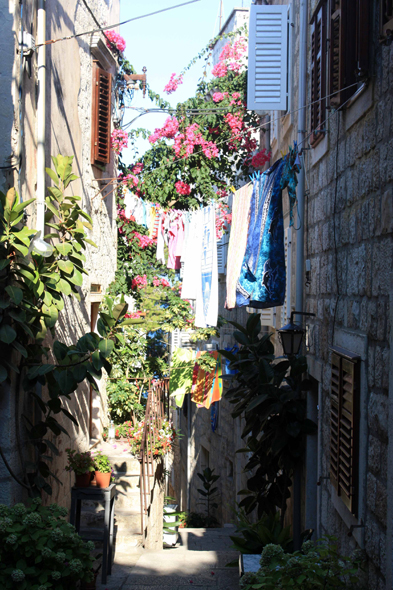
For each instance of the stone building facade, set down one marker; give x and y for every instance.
(69, 91)
(349, 246)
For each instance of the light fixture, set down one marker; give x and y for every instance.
(291, 335)
(39, 246)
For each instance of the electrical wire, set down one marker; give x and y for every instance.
(101, 29)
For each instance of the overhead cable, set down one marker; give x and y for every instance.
(101, 29)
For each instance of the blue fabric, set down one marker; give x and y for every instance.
(263, 278)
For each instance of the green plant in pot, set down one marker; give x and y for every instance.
(39, 549)
(83, 465)
(103, 470)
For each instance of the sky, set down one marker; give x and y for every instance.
(165, 44)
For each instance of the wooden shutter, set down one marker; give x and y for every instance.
(349, 48)
(344, 425)
(386, 17)
(268, 316)
(267, 58)
(286, 307)
(101, 116)
(318, 75)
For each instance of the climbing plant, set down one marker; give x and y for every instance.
(33, 290)
(268, 393)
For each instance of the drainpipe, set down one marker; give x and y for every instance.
(41, 103)
(299, 305)
(189, 425)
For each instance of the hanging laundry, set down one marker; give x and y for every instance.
(162, 237)
(192, 257)
(237, 240)
(206, 312)
(180, 381)
(262, 278)
(207, 386)
(175, 235)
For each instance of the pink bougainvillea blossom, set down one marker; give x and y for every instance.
(165, 283)
(220, 70)
(173, 84)
(137, 169)
(182, 188)
(218, 96)
(129, 180)
(134, 315)
(119, 140)
(157, 282)
(169, 130)
(144, 241)
(139, 282)
(113, 38)
(260, 159)
(223, 219)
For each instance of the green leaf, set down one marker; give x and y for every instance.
(15, 294)
(53, 314)
(106, 347)
(22, 249)
(258, 400)
(102, 330)
(66, 380)
(119, 310)
(20, 348)
(4, 263)
(79, 372)
(64, 287)
(96, 360)
(91, 243)
(4, 303)
(7, 334)
(66, 266)
(76, 278)
(21, 206)
(53, 175)
(3, 374)
(64, 249)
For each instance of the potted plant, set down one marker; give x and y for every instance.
(40, 549)
(82, 464)
(103, 470)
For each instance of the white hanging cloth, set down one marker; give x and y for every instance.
(206, 312)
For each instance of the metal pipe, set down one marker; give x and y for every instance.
(189, 452)
(299, 304)
(41, 108)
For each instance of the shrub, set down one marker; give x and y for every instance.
(102, 463)
(39, 550)
(315, 566)
(80, 463)
(123, 400)
(255, 535)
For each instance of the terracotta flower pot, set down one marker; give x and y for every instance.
(103, 479)
(82, 480)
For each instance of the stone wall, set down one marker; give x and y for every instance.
(68, 132)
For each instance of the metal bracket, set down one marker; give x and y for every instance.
(355, 526)
(319, 482)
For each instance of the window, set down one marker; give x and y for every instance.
(344, 426)
(340, 33)
(349, 23)
(101, 115)
(318, 69)
(386, 18)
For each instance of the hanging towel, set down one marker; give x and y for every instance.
(192, 257)
(206, 311)
(160, 255)
(215, 393)
(262, 278)
(237, 240)
(202, 383)
(180, 381)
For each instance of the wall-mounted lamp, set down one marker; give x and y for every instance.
(291, 335)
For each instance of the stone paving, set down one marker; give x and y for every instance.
(197, 561)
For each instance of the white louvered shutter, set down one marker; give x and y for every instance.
(286, 308)
(267, 58)
(222, 252)
(175, 340)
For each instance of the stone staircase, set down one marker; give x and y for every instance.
(128, 538)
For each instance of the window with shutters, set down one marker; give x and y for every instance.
(349, 34)
(318, 74)
(101, 115)
(344, 426)
(386, 18)
(267, 86)
(222, 252)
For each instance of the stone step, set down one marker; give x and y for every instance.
(125, 481)
(127, 499)
(124, 519)
(130, 537)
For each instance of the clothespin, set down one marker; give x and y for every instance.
(232, 188)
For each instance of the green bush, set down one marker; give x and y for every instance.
(39, 550)
(123, 400)
(255, 535)
(315, 566)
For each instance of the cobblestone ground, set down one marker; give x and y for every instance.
(197, 561)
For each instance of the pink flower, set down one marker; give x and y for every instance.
(220, 70)
(139, 282)
(165, 283)
(218, 96)
(137, 169)
(119, 140)
(182, 188)
(260, 159)
(173, 84)
(114, 38)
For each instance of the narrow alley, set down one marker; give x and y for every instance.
(199, 560)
